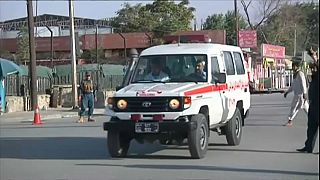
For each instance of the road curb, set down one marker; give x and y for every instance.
(58, 115)
(44, 117)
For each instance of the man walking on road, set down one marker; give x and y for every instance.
(87, 98)
(313, 115)
(299, 88)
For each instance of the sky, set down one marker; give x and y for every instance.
(102, 9)
(107, 8)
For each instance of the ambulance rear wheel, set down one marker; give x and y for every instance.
(233, 129)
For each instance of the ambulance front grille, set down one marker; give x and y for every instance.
(146, 104)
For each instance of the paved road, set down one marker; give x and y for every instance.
(63, 150)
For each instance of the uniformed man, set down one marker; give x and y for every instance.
(313, 115)
(87, 97)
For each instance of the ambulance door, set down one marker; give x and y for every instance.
(229, 92)
(216, 109)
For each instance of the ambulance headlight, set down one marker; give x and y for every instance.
(174, 103)
(122, 104)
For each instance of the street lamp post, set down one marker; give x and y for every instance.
(124, 41)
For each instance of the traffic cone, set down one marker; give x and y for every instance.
(36, 118)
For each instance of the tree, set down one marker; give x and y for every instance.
(215, 21)
(23, 46)
(91, 55)
(6, 54)
(265, 9)
(226, 22)
(311, 24)
(161, 17)
(301, 19)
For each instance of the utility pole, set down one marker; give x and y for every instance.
(73, 57)
(97, 44)
(33, 63)
(295, 41)
(236, 20)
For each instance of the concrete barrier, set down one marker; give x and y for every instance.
(20, 103)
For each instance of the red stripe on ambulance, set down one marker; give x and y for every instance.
(206, 89)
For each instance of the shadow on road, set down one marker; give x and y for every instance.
(207, 168)
(166, 157)
(67, 148)
(265, 105)
(212, 148)
(265, 124)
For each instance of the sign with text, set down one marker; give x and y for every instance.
(273, 51)
(247, 39)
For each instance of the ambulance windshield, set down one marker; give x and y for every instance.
(171, 68)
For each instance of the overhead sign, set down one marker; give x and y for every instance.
(247, 39)
(273, 51)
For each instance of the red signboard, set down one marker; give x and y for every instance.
(247, 39)
(273, 51)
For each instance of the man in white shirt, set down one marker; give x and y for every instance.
(299, 88)
(156, 73)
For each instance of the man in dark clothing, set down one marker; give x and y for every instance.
(313, 115)
(87, 97)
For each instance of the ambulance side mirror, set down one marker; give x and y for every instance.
(222, 77)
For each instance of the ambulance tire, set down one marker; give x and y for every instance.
(233, 129)
(118, 144)
(198, 138)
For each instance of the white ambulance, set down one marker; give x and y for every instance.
(201, 87)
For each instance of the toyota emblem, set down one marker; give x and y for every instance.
(146, 104)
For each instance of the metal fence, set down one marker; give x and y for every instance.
(104, 82)
(19, 85)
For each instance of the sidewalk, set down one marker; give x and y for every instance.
(51, 113)
(268, 91)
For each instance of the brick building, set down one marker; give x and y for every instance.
(114, 47)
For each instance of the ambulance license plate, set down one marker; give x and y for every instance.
(147, 127)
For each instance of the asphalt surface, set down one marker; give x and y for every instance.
(61, 149)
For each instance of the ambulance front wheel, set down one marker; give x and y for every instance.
(198, 138)
(118, 144)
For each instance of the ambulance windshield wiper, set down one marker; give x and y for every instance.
(150, 81)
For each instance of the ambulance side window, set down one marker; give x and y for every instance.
(228, 63)
(215, 70)
(239, 63)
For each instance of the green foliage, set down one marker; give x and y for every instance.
(161, 17)
(215, 21)
(23, 46)
(91, 54)
(301, 19)
(5, 54)
(226, 22)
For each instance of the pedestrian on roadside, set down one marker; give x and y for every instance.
(313, 115)
(87, 98)
(299, 88)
